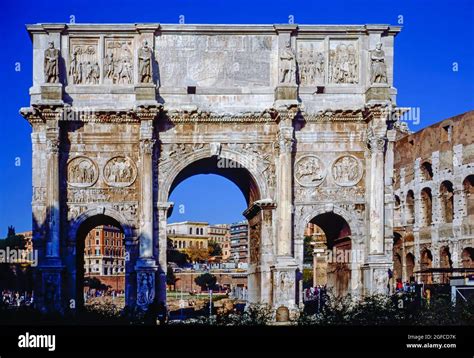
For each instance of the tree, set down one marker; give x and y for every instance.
(206, 281)
(173, 255)
(197, 254)
(214, 249)
(95, 283)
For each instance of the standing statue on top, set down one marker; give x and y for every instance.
(287, 65)
(145, 57)
(51, 64)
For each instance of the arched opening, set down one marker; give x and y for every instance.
(410, 208)
(410, 266)
(445, 262)
(208, 234)
(426, 262)
(100, 261)
(467, 257)
(397, 257)
(426, 206)
(329, 235)
(447, 201)
(426, 171)
(397, 215)
(468, 185)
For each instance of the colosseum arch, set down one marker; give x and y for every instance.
(446, 194)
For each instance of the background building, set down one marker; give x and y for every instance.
(239, 241)
(188, 233)
(434, 200)
(104, 256)
(218, 233)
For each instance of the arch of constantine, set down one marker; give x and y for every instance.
(301, 118)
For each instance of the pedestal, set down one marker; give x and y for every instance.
(284, 283)
(51, 93)
(286, 95)
(146, 270)
(145, 94)
(378, 92)
(50, 298)
(375, 276)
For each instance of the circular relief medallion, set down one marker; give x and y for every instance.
(347, 170)
(82, 172)
(120, 172)
(309, 171)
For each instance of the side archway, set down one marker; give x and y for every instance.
(78, 231)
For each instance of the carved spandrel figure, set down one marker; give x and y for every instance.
(287, 65)
(378, 68)
(51, 64)
(145, 56)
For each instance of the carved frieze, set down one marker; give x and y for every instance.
(343, 61)
(146, 288)
(330, 194)
(99, 195)
(309, 171)
(82, 172)
(118, 61)
(84, 61)
(120, 171)
(311, 63)
(347, 170)
(255, 242)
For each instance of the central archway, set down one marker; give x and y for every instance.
(244, 174)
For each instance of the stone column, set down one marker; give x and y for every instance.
(376, 141)
(52, 180)
(146, 267)
(50, 296)
(284, 270)
(378, 261)
(284, 209)
(161, 247)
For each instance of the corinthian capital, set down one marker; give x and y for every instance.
(285, 139)
(375, 141)
(146, 145)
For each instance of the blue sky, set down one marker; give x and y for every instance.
(435, 35)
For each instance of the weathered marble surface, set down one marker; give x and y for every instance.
(114, 145)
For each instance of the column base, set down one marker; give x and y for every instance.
(145, 94)
(49, 285)
(375, 276)
(146, 270)
(284, 283)
(378, 92)
(51, 93)
(286, 96)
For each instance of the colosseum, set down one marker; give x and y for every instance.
(434, 201)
